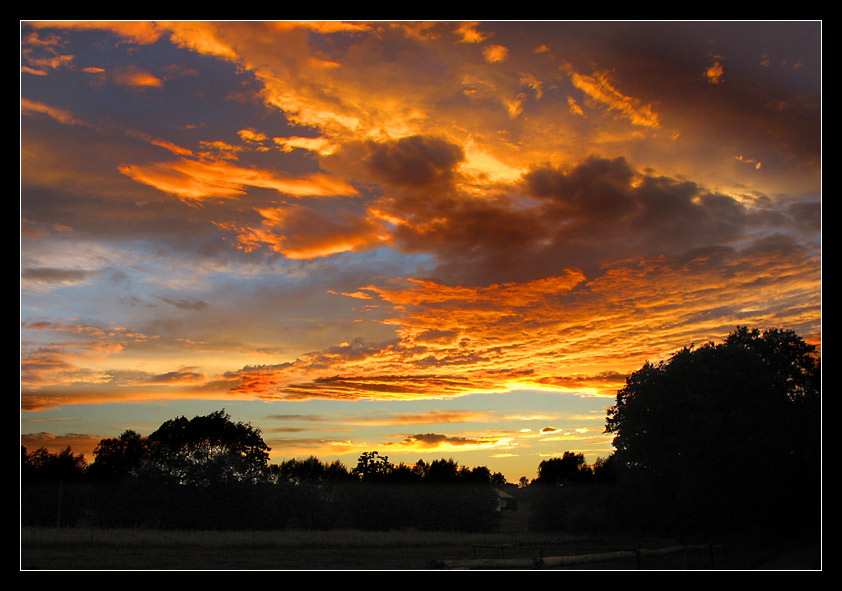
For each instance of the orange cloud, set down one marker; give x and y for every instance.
(495, 53)
(133, 76)
(73, 354)
(497, 329)
(563, 333)
(29, 107)
(600, 89)
(86, 393)
(714, 73)
(143, 32)
(196, 180)
(177, 150)
(323, 146)
(433, 417)
(300, 232)
(321, 26)
(203, 37)
(468, 33)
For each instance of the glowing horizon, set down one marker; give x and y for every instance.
(441, 239)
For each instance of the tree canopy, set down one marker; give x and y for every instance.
(116, 457)
(43, 465)
(570, 467)
(735, 420)
(207, 449)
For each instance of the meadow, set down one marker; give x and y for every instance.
(512, 548)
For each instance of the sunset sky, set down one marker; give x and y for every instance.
(427, 239)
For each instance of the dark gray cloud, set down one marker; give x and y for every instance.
(415, 161)
(435, 439)
(807, 216)
(605, 202)
(179, 376)
(595, 212)
(185, 303)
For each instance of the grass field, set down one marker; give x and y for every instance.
(45, 549)
(72, 549)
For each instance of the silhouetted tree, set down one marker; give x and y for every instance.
(52, 487)
(64, 465)
(442, 471)
(117, 457)
(207, 450)
(604, 469)
(27, 469)
(312, 470)
(420, 468)
(723, 434)
(570, 467)
(405, 474)
(372, 466)
(479, 475)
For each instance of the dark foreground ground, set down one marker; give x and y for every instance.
(400, 554)
(514, 548)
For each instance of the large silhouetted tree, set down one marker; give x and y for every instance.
(724, 432)
(207, 450)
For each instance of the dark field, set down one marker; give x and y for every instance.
(513, 548)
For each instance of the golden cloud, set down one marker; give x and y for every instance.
(495, 53)
(133, 76)
(714, 73)
(299, 232)
(142, 32)
(600, 89)
(558, 333)
(433, 417)
(197, 180)
(468, 33)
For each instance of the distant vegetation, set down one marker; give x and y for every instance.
(717, 439)
(211, 473)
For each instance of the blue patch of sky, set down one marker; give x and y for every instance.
(195, 99)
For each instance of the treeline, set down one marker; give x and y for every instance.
(211, 473)
(717, 439)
